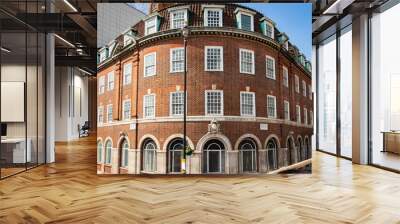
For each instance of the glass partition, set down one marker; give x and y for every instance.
(22, 101)
(346, 92)
(327, 95)
(13, 92)
(385, 89)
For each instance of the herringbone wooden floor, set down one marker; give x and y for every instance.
(69, 191)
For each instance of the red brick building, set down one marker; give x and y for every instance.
(249, 99)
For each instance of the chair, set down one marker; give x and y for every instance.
(84, 130)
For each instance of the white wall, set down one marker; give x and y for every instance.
(71, 102)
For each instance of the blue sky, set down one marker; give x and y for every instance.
(292, 18)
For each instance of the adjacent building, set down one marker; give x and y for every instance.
(249, 97)
(113, 19)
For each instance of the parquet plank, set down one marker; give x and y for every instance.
(69, 191)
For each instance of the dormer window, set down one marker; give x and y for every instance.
(103, 54)
(213, 17)
(269, 30)
(245, 19)
(302, 60)
(127, 40)
(150, 25)
(178, 18)
(286, 45)
(268, 27)
(284, 40)
(308, 66)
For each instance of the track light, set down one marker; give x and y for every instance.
(71, 6)
(84, 71)
(64, 40)
(5, 50)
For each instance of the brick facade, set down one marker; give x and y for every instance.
(233, 126)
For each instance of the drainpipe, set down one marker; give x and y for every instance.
(136, 104)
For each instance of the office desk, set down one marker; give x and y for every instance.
(391, 142)
(13, 150)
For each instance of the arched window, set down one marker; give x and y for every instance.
(247, 155)
(300, 151)
(99, 152)
(307, 148)
(149, 156)
(214, 157)
(124, 153)
(108, 152)
(175, 154)
(291, 155)
(272, 155)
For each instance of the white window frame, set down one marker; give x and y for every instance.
(127, 40)
(170, 104)
(102, 84)
(297, 83)
(266, 67)
(311, 118)
(123, 109)
(146, 25)
(267, 23)
(206, 102)
(285, 102)
(171, 67)
(304, 88)
(254, 104)
(270, 97)
(145, 61)
(286, 45)
(108, 113)
(171, 17)
(221, 16)
(125, 156)
(239, 14)
(144, 106)
(305, 115)
(285, 76)
(110, 84)
(100, 113)
(103, 55)
(310, 92)
(108, 157)
(221, 66)
(240, 61)
(126, 80)
(298, 114)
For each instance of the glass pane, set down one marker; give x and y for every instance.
(214, 161)
(13, 86)
(177, 161)
(247, 161)
(346, 92)
(385, 84)
(41, 99)
(31, 98)
(327, 95)
(271, 160)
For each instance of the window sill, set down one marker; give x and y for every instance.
(208, 70)
(247, 73)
